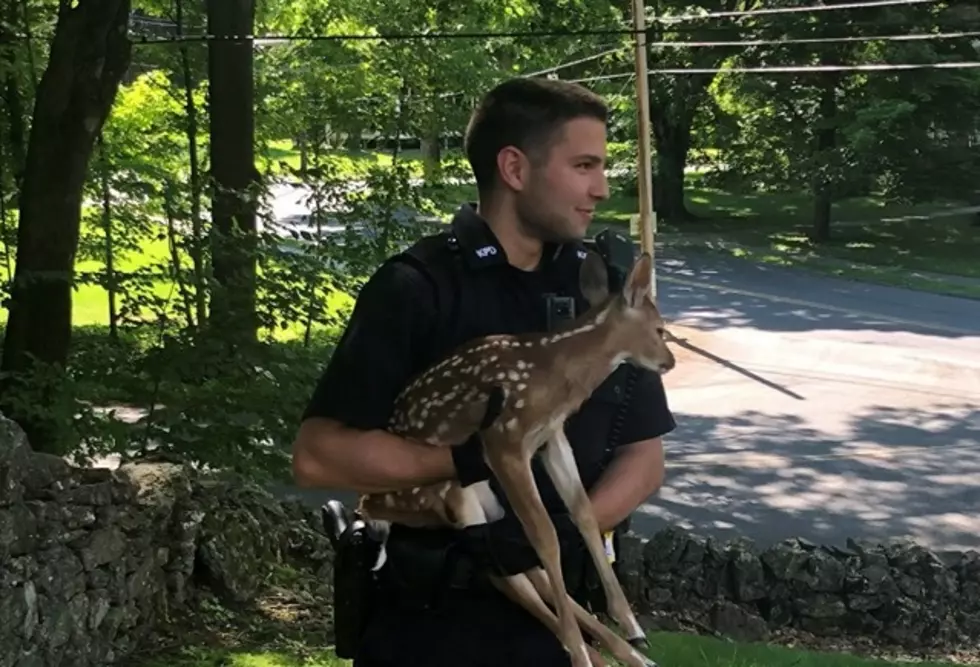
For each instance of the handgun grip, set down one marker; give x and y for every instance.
(337, 520)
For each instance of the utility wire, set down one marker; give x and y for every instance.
(270, 39)
(925, 37)
(785, 10)
(580, 61)
(141, 40)
(875, 67)
(668, 20)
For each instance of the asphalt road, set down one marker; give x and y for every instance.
(815, 407)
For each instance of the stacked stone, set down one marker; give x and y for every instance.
(898, 594)
(91, 560)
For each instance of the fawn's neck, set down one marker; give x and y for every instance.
(585, 354)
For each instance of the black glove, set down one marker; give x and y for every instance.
(503, 548)
(468, 459)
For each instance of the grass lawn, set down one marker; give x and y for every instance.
(288, 625)
(874, 241)
(668, 649)
(352, 164)
(90, 303)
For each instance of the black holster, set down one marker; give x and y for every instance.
(356, 547)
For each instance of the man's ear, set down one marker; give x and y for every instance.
(593, 279)
(638, 284)
(512, 167)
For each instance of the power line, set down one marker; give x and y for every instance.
(356, 37)
(270, 39)
(785, 10)
(620, 31)
(927, 37)
(876, 67)
(580, 61)
(263, 40)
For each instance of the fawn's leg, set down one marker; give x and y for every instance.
(520, 590)
(559, 461)
(474, 505)
(616, 645)
(512, 467)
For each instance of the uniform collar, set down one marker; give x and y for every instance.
(481, 249)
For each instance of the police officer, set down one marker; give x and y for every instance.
(537, 149)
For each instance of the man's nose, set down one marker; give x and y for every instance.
(600, 187)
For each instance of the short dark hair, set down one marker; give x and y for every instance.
(526, 113)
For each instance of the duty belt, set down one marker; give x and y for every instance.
(425, 573)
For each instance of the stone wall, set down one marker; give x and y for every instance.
(898, 595)
(92, 559)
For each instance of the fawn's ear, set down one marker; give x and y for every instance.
(638, 284)
(593, 279)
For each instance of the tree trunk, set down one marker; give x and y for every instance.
(233, 308)
(13, 98)
(196, 184)
(672, 111)
(823, 181)
(111, 285)
(90, 52)
(669, 180)
(432, 157)
(672, 135)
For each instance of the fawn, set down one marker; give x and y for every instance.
(542, 378)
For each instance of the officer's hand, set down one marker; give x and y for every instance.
(503, 548)
(468, 459)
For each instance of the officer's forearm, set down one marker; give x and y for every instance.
(634, 474)
(329, 455)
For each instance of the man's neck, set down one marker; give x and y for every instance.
(523, 251)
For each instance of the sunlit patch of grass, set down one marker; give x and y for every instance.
(871, 239)
(674, 649)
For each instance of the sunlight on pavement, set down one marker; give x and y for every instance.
(804, 435)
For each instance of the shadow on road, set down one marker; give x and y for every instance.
(785, 300)
(772, 476)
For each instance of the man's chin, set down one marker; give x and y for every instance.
(568, 231)
(580, 230)
(569, 235)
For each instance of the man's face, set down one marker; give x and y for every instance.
(565, 184)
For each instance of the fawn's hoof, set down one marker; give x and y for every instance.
(639, 643)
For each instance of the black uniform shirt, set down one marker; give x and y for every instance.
(388, 340)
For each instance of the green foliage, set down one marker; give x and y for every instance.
(905, 135)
